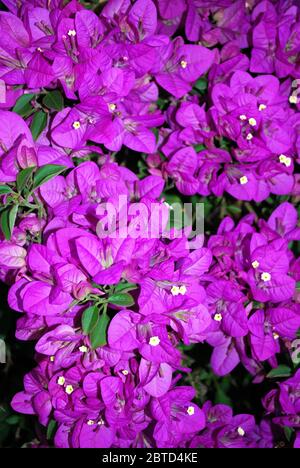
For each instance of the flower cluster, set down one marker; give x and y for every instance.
(252, 290)
(95, 385)
(205, 91)
(283, 405)
(224, 430)
(238, 130)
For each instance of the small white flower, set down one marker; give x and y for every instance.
(175, 290)
(252, 122)
(218, 317)
(154, 341)
(293, 99)
(76, 125)
(265, 276)
(61, 380)
(262, 107)
(243, 180)
(283, 159)
(69, 389)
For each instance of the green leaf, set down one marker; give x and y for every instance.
(54, 100)
(121, 299)
(23, 177)
(3, 413)
(280, 371)
(142, 169)
(89, 319)
(234, 210)
(199, 147)
(201, 84)
(45, 173)
(171, 198)
(222, 397)
(38, 124)
(288, 432)
(161, 103)
(156, 133)
(51, 429)
(98, 334)
(5, 189)
(125, 287)
(13, 419)
(8, 219)
(22, 106)
(4, 431)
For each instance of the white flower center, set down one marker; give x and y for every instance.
(71, 33)
(265, 276)
(293, 99)
(83, 349)
(218, 317)
(190, 411)
(252, 122)
(154, 341)
(240, 431)
(61, 380)
(285, 160)
(176, 290)
(69, 389)
(262, 107)
(255, 264)
(243, 117)
(76, 125)
(243, 180)
(249, 136)
(183, 64)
